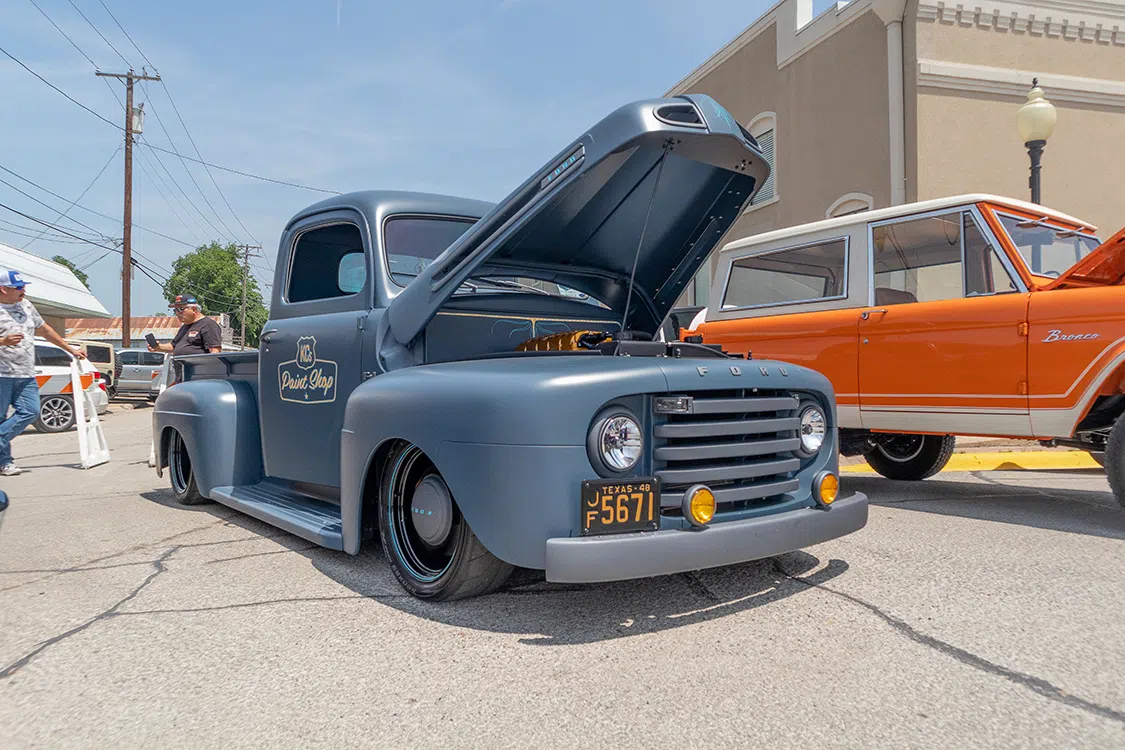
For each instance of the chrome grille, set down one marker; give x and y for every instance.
(739, 443)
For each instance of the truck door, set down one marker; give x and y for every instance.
(944, 347)
(310, 351)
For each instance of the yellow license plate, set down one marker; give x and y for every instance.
(610, 506)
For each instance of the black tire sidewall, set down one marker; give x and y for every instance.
(935, 454)
(190, 495)
(1115, 460)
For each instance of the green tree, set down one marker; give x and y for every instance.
(213, 274)
(81, 276)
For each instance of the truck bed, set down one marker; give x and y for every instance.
(241, 365)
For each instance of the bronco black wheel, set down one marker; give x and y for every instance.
(1115, 460)
(911, 457)
(432, 551)
(181, 474)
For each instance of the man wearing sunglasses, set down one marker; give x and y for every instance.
(198, 334)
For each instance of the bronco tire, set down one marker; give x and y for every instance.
(911, 457)
(181, 474)
(432, 551)
(1115, 460)
(56, 414)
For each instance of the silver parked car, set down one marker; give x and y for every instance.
(140, 372)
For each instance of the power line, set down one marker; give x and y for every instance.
(95, 28)
(172, 180)
(244, 174)
(126, 33)
(96, 213)
(161, 193)
(63, 33)
(56, 88)
(57, 229)
(46, 205)
(64, 213)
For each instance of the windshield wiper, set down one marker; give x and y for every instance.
(515, 285)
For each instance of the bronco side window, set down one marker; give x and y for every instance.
(984, 271)
(800, 274)
(324, 264)
(917, 260)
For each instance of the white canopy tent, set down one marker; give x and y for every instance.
(53, 288)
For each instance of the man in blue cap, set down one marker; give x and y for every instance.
(19, 323)
(198, 334)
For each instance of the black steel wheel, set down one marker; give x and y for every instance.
(180, 472)
(911, 457)
(56, 414)
(432, 551)
(1115, 460)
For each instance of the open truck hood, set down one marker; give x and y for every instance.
(1104, 266)
(578, 220)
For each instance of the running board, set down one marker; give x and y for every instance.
(305, 516)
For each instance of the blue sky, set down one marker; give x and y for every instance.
(464, 98)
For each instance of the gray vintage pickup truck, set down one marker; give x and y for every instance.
(481, 386)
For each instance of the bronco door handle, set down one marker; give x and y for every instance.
(867, 313)
(266, 334)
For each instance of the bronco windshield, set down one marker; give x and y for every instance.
(1047, 249)
(413, 243)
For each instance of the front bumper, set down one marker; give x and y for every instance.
(643, 554)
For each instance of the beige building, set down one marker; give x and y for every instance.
(875, 103)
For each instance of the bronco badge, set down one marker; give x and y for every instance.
(306, 379)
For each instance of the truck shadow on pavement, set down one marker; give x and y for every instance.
(1058, 509)
(549, 614)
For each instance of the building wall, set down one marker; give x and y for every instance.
(831, 119)
(966, 113)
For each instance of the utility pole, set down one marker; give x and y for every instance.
(127, 220)
(246, 255)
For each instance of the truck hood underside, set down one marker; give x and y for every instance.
(580, 219)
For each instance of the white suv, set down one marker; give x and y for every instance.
(56, 393)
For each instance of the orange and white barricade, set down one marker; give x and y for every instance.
(92, 446)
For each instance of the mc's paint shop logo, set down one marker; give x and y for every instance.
(306, 379)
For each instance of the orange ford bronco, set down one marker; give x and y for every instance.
(969, 315)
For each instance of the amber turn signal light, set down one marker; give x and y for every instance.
(699, 505)
(826, 487)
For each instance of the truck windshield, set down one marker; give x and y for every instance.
(1047, 249)
(413, 243)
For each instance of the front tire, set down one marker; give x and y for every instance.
(181, 474)
(432, 551)
(56, 414)
(911, 457)
(1115, 460)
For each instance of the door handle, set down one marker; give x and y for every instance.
(266, 334)
(867, 313)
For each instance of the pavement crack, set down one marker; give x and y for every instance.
(1035, 684)
(698, 586)
(19, 664)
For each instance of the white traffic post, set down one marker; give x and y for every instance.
(165, 376)
(92, 446)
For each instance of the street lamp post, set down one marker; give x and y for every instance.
(1036, 121)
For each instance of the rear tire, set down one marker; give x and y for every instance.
(432, 551)
(1115, 460)
(181, 474)
(911, 457)
(56, 414)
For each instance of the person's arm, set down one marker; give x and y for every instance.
(48, 333)
(212, 338)
(162, 348)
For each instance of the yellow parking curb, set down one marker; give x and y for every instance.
(1014, 461)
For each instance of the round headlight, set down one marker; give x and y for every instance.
(813, 429)
(619, 442)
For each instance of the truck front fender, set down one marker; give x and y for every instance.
(218, 421)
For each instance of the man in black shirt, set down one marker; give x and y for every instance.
(198, 334)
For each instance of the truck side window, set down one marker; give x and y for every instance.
(918, 260)
(129, 358)
(324, 264)
(984, 271)
(801, 274)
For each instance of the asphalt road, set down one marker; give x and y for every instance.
(972, 611)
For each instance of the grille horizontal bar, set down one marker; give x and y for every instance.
(742, 405)
(725, 450)
(728, 473)
(737, 494)
(723, 428)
